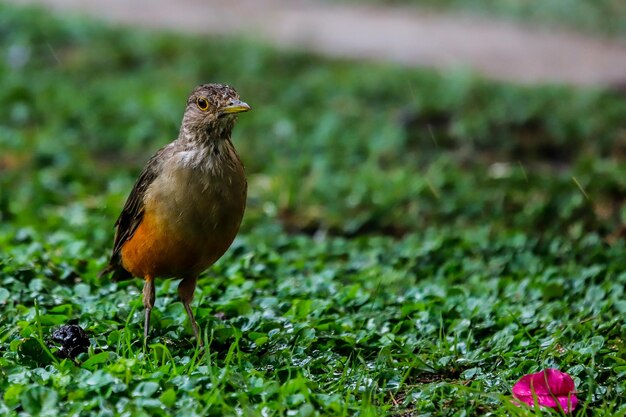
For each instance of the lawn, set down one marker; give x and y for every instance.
(414, 242)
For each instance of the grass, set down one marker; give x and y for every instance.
(414, 242)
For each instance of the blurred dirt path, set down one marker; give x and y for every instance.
(495, 48)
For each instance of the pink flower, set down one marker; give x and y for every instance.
(551, 387)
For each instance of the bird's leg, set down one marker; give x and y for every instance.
(148, 303)
(186, 289)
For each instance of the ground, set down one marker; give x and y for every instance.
(414, 243)
(394, 32)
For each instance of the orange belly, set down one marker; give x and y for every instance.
(158, 250)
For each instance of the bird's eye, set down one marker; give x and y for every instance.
(202, 103)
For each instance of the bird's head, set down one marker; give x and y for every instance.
(211, 110)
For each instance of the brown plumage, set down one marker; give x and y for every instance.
(186, 207)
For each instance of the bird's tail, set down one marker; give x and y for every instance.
(117, 272)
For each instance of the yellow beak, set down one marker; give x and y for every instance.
(235, 106)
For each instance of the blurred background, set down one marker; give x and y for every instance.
(377, 117)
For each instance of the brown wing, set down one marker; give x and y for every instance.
(132, 214)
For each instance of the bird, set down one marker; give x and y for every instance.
(186, 207)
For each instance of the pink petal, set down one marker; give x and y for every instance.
(551, 387)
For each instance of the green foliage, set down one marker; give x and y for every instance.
(434, 322)
(450, 236)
